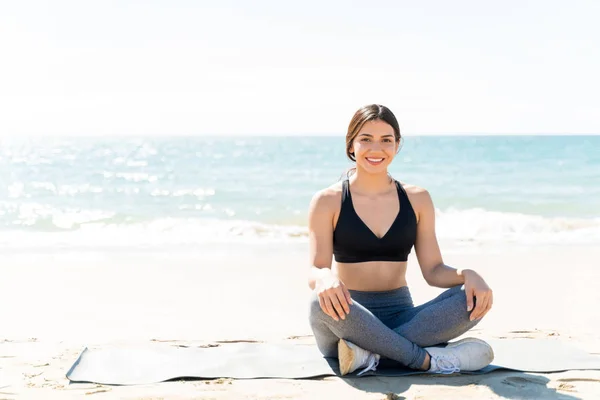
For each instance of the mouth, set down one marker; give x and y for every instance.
(374, 161)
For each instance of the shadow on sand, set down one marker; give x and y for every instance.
(508, 384)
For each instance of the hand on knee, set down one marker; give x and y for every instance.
(333, 301)
(315, 310)
(320, 313)
(478, 295)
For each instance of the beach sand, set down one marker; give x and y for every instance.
(52, 304)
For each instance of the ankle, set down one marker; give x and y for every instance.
(427, 362)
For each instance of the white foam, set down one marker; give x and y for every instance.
(43, 228)
(482, 225)
(159, 232)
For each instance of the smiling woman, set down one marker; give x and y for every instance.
(375, 139)
(373, 142)
(362, 309)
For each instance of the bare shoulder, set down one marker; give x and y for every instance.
(327, 199)
(419, 197)
(414, 190)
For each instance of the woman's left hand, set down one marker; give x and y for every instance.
(475, 287)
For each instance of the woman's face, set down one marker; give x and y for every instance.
(375, 146)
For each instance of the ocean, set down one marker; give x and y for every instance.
(132, 192)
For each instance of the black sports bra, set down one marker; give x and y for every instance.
(354, 242)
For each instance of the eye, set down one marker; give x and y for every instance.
(364, 140)
(387, 140)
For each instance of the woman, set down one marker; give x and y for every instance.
(362, 309)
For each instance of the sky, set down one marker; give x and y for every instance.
(287, 68)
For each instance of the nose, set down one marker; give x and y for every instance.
(375, 146)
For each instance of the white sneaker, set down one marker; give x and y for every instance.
(352, 357)
(469, 354)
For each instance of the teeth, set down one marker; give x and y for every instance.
(375, 159)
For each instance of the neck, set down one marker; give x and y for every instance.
(370, 183)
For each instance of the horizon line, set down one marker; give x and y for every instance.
(289, 134)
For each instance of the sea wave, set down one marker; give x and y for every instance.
(98, 229)
(151, 233)
(482, 225)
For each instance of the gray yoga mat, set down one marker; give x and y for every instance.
(161, 362)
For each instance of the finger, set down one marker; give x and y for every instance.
(490, 301)
(329, 308)
(469, 294)
(347, 294)
(343, 302)
(337, 306)
(480, 305)
(323, 306)
(486, 307)
(475, 307)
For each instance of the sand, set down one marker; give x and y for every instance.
(54, 303)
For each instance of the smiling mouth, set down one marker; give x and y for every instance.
(374, 161)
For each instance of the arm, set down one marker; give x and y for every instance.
(435, 272)
(438, 274)
(320, 235)
(334, 298)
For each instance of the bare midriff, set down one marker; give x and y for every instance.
(372, 276)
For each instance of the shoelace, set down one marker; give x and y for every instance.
(446, 364)
(373, 362)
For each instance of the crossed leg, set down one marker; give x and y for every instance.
(434, 322)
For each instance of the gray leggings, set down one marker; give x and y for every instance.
(387, 323)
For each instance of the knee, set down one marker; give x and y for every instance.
(458, 299)
(454, 290)
(315, 312)
(317, 315)
(461, 299)
(458, 292)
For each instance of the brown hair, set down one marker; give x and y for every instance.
(370, 112)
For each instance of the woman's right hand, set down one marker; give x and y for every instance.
(334, 297)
